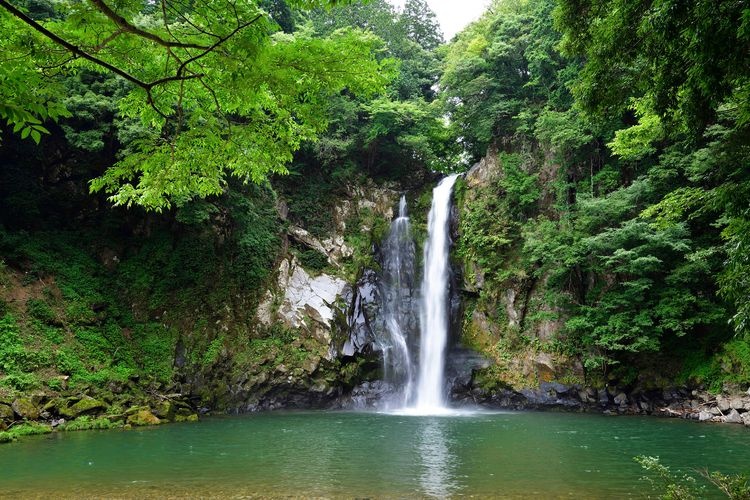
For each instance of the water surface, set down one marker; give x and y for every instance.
(343, 454)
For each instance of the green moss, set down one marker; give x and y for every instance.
(363, 230)
(735, 360)
(212, 352)
(143, 417)
(187, 418)
(25, 429)
(85, 423)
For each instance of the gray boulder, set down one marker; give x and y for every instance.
(621, 399)
(733, 417)
(723, 403)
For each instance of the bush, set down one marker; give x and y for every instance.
(20, 381)
(682, 486)
(312, 259)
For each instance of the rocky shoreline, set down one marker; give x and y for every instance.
(41, 413)
(732, 406)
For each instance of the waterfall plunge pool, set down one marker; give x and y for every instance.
(351, 454)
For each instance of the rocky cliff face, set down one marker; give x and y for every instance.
(506, 316)
(513, 319)
(327, 311)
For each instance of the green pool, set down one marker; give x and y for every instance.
(348, 454)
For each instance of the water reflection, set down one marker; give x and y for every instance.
(438, 461)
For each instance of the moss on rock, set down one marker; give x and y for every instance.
(6, 412)
(25, 409)
(143, 417)
(87, 405)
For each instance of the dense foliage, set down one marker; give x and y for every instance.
(114, 297)
(636, 145)
(620, 128)
(214, 89)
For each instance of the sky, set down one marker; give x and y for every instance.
(453, 15)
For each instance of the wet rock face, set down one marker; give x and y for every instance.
(364, 319)
(459, 369)
(368, 396)
(290, 398)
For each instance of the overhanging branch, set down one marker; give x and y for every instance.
(69, 46)
(182, 73)
(124, 25)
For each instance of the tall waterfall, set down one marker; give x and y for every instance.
(434, 308)
(398, 312)
(408, 312)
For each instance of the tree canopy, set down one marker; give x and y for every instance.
(214, 87)
(636, 114)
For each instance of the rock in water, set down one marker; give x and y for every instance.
(705, 416)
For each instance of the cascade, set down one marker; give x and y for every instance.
(398, 312)
(434, 310)
(420, 392)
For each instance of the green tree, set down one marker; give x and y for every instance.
(420, 24)
(401, 132)
(679, 74)
(216, 90)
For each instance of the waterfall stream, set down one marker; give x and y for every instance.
(398, 311)
(434, 309)
(401, 309)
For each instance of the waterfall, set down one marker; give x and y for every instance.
(398, 313)
(405, 315)
(434, 309)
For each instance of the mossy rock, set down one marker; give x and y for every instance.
(166, 410)
(87, 405)
(184, 412)
(6, 412)
(143, 417)
(24, 408)
(135, 409)
(57, 406)
(193, 417)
